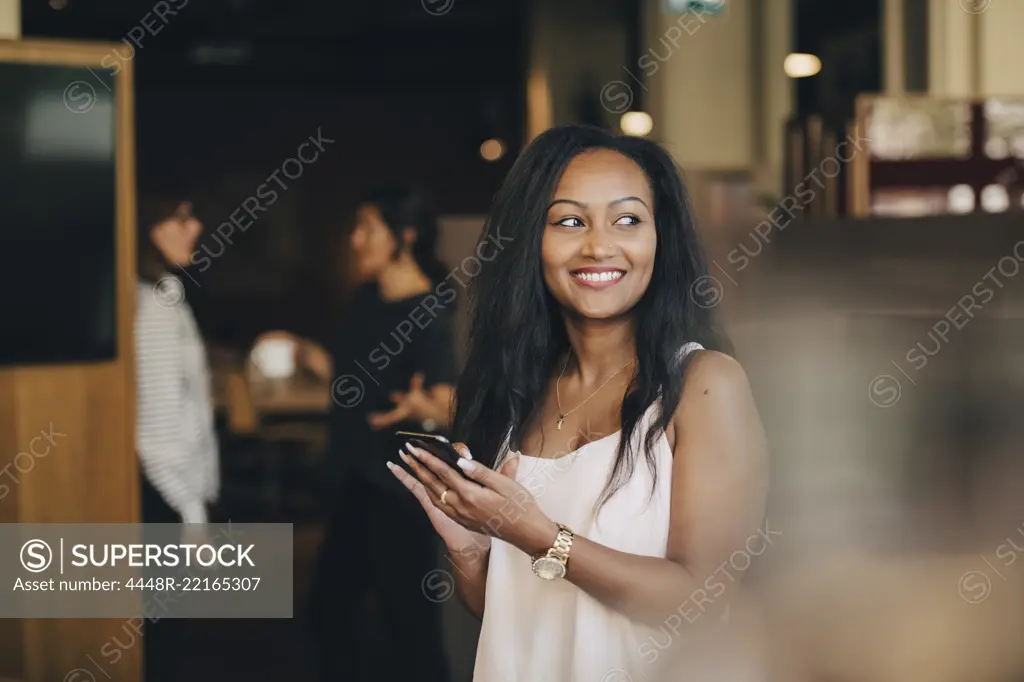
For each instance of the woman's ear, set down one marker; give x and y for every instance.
(158, 236)
(408, 237)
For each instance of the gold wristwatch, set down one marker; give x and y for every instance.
(552, 564)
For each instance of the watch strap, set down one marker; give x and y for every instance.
(563, 544)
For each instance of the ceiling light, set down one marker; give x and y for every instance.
(799, 65)
(636, 123)
(492, 150)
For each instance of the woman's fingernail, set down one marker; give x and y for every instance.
(414, 450)
(404, 456)
(466, 464)
(390, 465)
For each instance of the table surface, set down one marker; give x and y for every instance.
(298, 394)
(291, 396)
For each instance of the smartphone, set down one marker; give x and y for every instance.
(439, 446)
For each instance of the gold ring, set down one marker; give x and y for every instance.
(443, 496)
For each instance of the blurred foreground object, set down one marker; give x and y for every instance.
(892, 619)
(894, 423)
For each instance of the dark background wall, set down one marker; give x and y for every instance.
(226, 90)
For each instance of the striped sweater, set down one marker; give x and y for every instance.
(174, 430)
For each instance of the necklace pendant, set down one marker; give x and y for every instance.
(558, 426)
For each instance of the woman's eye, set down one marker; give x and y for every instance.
(628, 220)
(570, 222)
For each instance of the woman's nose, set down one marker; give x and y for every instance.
(598, 245)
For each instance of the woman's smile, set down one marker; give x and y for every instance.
(597, 277)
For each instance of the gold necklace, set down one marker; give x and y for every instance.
(558, 398)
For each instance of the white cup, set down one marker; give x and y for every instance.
(275, 358)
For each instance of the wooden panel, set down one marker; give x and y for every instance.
(12, 658)
(90, 474)
(39, 51)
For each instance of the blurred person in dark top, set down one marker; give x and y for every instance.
(391, 366)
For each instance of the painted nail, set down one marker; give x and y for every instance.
(390, 465)
(466, 464)
(414, 450)
(404, 456)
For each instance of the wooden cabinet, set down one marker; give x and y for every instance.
(67, 431)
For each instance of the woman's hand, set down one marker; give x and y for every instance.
(308, 353)
(416, 404)
(315, 358)
(489, 502)
(195, 534)
(456, 538)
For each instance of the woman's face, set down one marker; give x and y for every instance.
(599, 242)
(372, 242)
(176, 236)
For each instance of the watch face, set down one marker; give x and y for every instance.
(548, 568)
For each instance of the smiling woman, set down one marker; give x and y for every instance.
(585, 325)
(598, 251)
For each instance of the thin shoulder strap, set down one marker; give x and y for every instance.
(684, 351)
(687, 349)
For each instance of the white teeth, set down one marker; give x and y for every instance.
(599, 276)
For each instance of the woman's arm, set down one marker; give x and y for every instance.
(314, 357)
(718, 491)
(308, 353)
(165, 456)
(440, 398)
(417, 404)
(719, 487)
(470, 562)
(718, 494)
(431, 390)
(469, 552)
(471, 577)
